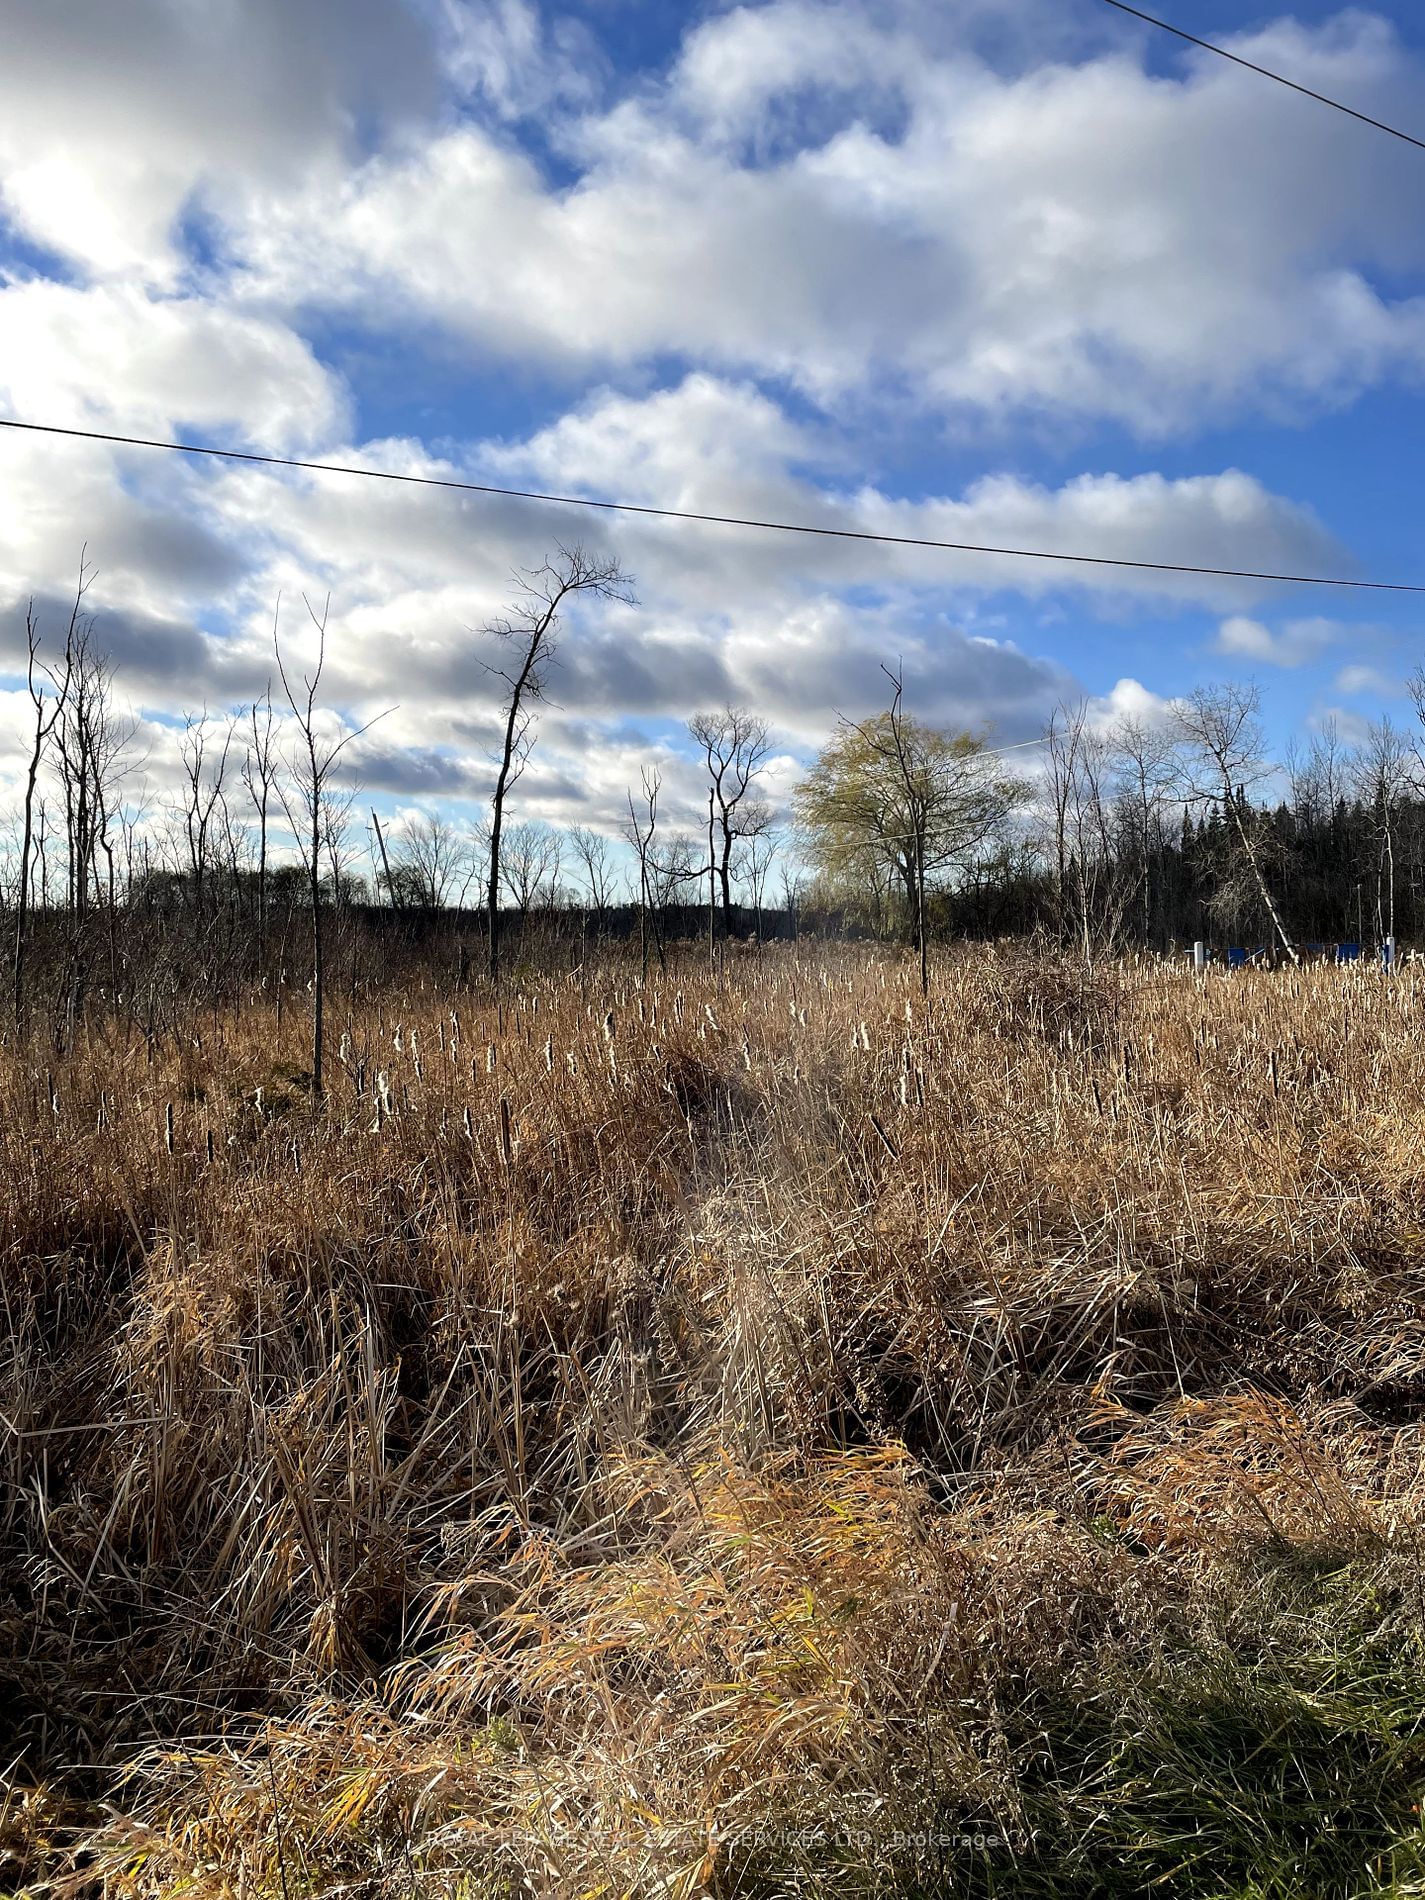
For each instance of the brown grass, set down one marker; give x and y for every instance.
(750, 1436)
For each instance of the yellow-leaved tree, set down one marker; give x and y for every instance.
(893, 807)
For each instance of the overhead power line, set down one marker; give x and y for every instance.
(1266, 72)
(725, 521)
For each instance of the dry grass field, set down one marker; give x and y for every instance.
(752, 1436)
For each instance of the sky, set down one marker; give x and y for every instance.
(1015, 271)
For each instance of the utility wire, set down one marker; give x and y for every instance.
(1266, 73)
(726, 521)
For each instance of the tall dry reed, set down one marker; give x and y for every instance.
(744, 1433)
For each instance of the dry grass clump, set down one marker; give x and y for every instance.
(725, 1436)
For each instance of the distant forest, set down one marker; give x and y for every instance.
(1332, 869)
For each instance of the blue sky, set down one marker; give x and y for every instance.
(1009, 270)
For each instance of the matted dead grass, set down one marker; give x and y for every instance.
(756, 1434)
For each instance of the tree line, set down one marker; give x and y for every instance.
(1109, 834)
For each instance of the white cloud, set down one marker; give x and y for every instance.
(116, 121)
(736, 70)
(846, 195)
(1130, 699)
(1352, 729)
(1049, 241)
(1367, 680)
(706, 443)
(1294, 644)
(118, 357)
(723, 613)
(847, 199)
(1227, 520)
(726, 448)
(507, 54)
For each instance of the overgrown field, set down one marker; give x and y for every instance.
(751, 1436)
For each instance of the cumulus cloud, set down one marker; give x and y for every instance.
(797, 626)
(726, 448)
(507, 54)
(116, 122)
(743, 74)
(1222, 520)
(986, 246)
(706, 443)
(119, 357)
(1293, 644)
(815, 216)
(1129, 699)
(151, 552)
(850, 196)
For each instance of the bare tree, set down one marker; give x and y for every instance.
(1384, 775)
(92, 743)
(533, 858)
(1059, 748)
(395, 891)
(640, 833)
(475, 849)
(430, 857)
(1319, 781)
(345, 884)
(760, 855)
(529, 633)
(259, 774)
(735, 747)
(674, 875)
(236, 844)
(793, 895)
(1147, 768)
(1332, 763)
(89, 740)
(204, 769)
(1091, 876)
(41, 853)
(47, 710)
(591, 853)
(1221, 728)
(306, 806)
(1415, 685)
